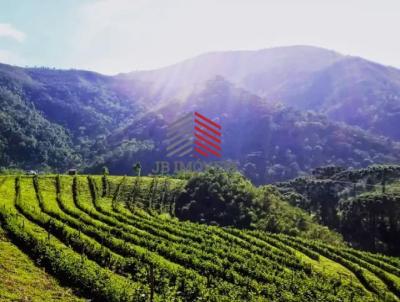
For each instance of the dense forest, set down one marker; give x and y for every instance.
(362, 204)
(54, 120)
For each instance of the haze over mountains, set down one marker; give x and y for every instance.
(262, 98)
(345, 88)
(262, 72)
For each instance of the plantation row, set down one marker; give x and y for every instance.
(94, 232)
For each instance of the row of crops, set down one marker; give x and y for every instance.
(79, 229)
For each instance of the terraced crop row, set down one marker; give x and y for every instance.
(81, 231)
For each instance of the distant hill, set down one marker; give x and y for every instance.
(263, 72)
(345, 88)
(269, 142)
(57, 119)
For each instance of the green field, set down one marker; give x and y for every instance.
(79, 231)
(19, 272)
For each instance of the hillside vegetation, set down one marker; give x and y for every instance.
(268, 143)
(18, 271)
(362, 204)
(81, 231)
(53, 120)
(227, 198)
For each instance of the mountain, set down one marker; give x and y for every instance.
(269, 142)
(262, 72)
(58, 119)
(345, 88)
(357, 92)
(27, 139)
(47, 111)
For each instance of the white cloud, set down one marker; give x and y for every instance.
(9, 31)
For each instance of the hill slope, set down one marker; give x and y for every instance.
(345, 88)
(269, 143)
(59, 119)
(114, 254)
(19, 272)
(262, 72)
(362, 204)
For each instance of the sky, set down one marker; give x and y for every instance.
(113, 36)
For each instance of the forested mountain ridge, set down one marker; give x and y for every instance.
(27, 139)
(88, 120)
(80, 108)
(357, 92)
(261, 71)
(345, 88)
(269, 142)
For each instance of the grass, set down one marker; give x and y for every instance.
(21, 280)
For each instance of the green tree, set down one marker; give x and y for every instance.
(105, 171)
(137, 168)
(372, 221)
(217, 197)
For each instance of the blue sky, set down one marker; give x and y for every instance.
(112, 36)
